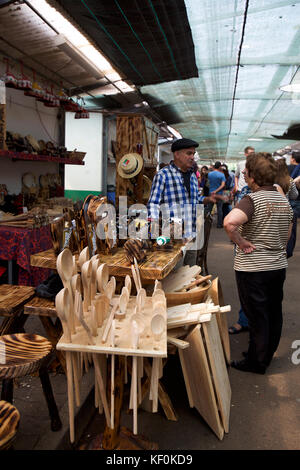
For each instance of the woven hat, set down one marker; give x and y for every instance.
(130, 165)
(147, 183)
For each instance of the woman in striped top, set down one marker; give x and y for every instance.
(260, 226)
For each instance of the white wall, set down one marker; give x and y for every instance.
(25, 115)
(86, 136)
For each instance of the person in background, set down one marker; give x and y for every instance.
(240, 188)
(217, 181)
(294, 171)
(286, 185)
(260, 226)
(229, 185)
(204, 181)
(176, 186)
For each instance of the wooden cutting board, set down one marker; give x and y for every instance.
(216, 294)
(198, 381)
(218, 369)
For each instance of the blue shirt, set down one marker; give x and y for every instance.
(168, 188)
(215, 179)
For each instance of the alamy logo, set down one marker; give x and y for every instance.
(296, 354)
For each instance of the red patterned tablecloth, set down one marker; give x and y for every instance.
(18, 244)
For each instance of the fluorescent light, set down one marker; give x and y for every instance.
(255, 139)
(174, 132)
(291, 88)
(66, 46)
(77, 47)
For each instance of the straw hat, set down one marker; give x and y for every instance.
(130, 165)
(147, 183)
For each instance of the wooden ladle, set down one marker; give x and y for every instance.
(62, 300)
(64, 264)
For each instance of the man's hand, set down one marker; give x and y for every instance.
(212, 198)
(222, 198)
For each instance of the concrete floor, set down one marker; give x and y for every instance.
(265, 410)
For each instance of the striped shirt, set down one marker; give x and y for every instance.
(168, 189)
(269, 218)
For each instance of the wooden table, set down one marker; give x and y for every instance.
(12, 300)
(157, 265)
(18, 244)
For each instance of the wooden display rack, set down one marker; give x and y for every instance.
(104, 324)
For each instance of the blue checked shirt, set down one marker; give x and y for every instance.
(168, 189)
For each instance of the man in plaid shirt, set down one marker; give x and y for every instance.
(175, 191)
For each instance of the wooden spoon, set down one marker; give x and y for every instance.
(62, 303)
(102, 277)
(79, 314)
(95, 264)
(135, 340)
(123, 301)
(158, 325)
(137, 269)
(128, 283)
(84, 256)
(61, 300)
(86, 274)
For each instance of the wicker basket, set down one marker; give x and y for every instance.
(194, 296)
(76, 156)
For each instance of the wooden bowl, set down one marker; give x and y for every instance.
(195, 296)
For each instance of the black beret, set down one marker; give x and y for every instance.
(183, 144)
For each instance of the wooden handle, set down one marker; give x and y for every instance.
(178, 342)
(109, 322)
(197, 282)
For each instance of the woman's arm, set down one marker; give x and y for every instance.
(231, 223)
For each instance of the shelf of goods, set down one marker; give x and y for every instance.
(42, 158)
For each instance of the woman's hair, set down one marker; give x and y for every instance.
(224, 168)
(283, 177)
(204, 166)
(262, 168)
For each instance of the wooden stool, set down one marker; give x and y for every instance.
(9, 423)
(12, 300)
(22, 354)
(46, 311)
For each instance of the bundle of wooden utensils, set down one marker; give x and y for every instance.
(98, 325)
(97, 322)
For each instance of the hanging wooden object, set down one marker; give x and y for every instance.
(135, 134)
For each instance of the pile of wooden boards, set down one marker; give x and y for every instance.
(100, 323)
(23, 220)
(184, 279)
(204, 354)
